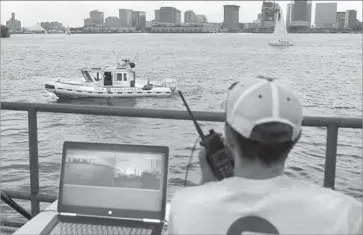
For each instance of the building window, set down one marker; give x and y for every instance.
(125, 76)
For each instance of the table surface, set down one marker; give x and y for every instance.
(44, 217)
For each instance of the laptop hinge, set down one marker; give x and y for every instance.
(68, 214)
(156, 221)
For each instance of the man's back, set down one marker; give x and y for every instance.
(275, 206)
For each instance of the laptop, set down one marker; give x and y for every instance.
(111, 189)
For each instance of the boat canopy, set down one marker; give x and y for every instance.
(87, 76)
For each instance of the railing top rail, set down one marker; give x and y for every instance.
(163, 113)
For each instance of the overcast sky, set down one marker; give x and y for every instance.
(73, 13)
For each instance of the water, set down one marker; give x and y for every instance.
(325, 71)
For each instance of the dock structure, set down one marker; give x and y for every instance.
(332, 125)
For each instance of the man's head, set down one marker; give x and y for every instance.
(263, 122)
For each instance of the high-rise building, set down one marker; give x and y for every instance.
(177, 19)
(125, 16)
(201, 19)
(157, 16)
(112, 21)
(326, 15)
(189, 17)
(97, 17)
(299, 15)
(350, 21)
(139, 20)
(231, 17)
(51, 25)
(340, 20)
(13, 24)
(169, 15)
(88, 22)
(268, 13)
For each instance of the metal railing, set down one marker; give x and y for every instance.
(332, 124)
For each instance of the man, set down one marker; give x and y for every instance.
(263, 123)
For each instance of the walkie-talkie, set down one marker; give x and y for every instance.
(219, 161)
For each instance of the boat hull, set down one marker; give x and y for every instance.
(277, 44)
(78, 91)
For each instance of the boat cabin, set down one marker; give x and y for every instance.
(121, 76)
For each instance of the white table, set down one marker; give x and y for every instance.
(39, 222)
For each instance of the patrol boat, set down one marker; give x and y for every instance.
(117, 82)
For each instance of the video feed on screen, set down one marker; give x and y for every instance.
(113, 169)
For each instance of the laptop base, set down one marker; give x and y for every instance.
(82, 225)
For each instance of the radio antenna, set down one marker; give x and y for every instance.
(200, 132)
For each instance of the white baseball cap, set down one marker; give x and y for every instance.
(255, 103)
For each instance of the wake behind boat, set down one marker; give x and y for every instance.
(119, 82)
(280, 34)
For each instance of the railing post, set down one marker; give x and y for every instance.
(33, 161)
(330, 156)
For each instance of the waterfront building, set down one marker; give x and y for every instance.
(157, 16)
(350, 21)
(97, 17)
(125, 16)
(268, 13)
(340, 20)
(139, 20)
(190, 17)
(326, 15)
(13, 24)
(298, 16)
(231, 17)
(52, 26)
(201, 19)
(170, 15)
(185, 28)
(112, 22)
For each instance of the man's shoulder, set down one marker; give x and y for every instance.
(196, 192)
(317, 191)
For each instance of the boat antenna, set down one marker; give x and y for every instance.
(137, 54)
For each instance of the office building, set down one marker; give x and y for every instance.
(97, 17)
(169, 15)
(139, 20)
(112, 21)
(350, 21)
(326, 15)
(125, 17)
(231, 17)
(189, 17)
(299, 16)
(87, 22)
(268, 13)
(56, 26)
(157, 16)
(340, 20)
(201, 19)
(13, 24)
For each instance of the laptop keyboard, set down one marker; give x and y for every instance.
(86, 229)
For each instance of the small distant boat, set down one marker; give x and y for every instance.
(68, 31)
(119, 82)
(280, 33)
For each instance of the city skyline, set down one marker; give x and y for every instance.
(74, 13)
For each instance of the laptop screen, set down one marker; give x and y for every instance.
(113, 178)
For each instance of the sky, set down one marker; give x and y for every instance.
(73, 13)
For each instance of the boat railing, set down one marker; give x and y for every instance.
(35, 196)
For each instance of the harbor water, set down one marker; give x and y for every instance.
(324, 69)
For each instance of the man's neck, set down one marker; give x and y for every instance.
(259, 172)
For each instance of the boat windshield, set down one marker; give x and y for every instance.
(87, 76)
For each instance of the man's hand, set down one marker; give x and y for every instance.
(207, 174)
